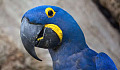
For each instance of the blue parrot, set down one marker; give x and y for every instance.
(52, 28)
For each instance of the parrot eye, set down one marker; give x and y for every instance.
(50, 12)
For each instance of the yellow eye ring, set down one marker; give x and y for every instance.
(50, 12)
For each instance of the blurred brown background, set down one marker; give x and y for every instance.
(100, 35)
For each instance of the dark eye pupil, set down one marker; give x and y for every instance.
(50, 13)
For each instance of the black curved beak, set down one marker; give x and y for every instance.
(31, 33)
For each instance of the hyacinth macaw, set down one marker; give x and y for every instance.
(52, 28)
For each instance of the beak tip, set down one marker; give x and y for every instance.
(37, 58)
(40, 60)
(29, 47)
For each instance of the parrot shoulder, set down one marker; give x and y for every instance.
(104, 62)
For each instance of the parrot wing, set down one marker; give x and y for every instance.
(104, 62)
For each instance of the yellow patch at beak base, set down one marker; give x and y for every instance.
(56, 29)
(39, 38)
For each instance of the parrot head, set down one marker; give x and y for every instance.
(48, 27)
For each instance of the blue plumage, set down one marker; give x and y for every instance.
(104, 62)
(73, 53)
